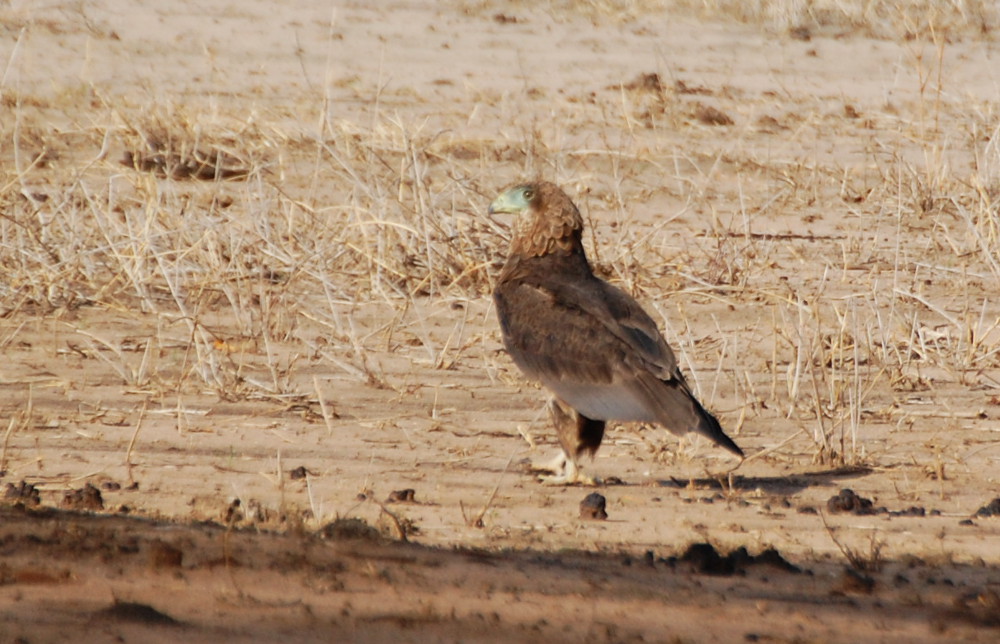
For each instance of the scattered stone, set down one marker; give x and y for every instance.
(298, 473)
(807, 509)
(111, 486)
(23, 494)
(848, 501)
(991, 509)
(87, 498)
(402, 496)
(593, 507)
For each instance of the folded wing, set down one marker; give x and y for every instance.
(596, 349)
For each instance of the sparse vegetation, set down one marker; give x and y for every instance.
(228, 265)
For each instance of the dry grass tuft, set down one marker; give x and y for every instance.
(252, 245)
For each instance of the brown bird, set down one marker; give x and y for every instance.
(588, 342)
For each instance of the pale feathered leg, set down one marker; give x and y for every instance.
(577, 434)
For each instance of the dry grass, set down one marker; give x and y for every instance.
(230, 236)
(257, 294)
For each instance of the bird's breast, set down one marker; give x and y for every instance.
(600, 401)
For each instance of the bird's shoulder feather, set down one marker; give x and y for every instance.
(552, 316)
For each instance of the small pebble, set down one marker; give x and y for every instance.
(593, 507)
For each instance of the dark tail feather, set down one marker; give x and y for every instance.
(709, 427)
(680, 412)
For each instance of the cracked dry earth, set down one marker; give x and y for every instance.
(360, 475)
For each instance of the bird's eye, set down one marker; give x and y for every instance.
(529, 194)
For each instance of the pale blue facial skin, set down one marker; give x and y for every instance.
(515, 200)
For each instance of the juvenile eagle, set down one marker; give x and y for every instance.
(585, 340)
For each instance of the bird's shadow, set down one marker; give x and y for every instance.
(785, 485)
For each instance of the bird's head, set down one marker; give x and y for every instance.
(546, 221)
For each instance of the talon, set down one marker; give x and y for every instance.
(580, 479)
(556, 466)
(562, 470)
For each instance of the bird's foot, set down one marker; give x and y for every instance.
(556, 466)
(562, 470)
(576, 479)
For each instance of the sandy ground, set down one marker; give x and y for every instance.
(799, 209)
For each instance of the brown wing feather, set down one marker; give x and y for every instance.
(571, 332)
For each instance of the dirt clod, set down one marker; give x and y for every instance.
(991, 509)
(402, 496)
(23, 494)
(848, 501)
(87, 498)
(592, 508)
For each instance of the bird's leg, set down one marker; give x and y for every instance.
(576, 434)
(555, 466)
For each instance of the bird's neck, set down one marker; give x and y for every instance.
(561, 260)
(554, 240)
